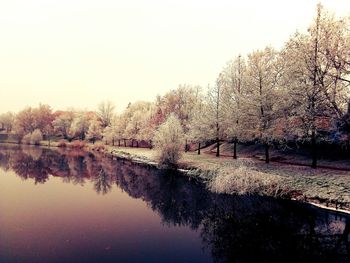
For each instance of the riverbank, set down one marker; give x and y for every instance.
(323, 187)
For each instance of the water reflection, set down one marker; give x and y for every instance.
(233, 229)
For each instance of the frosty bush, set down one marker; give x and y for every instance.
(36, 137)
(168, 141)
(26, 138)
(243, 180)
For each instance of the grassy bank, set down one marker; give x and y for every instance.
(327, 187)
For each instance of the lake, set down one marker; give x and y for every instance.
(68, 206)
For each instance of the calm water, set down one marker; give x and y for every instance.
(76, 207)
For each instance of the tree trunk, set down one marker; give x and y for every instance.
(235, 149)
(313, 150)
(267, 154)
(113, 142)
(217, 147)
(199, 148)
(186, 148)
(150, 144)
(137, 144)
(119, 142)
(124, 142)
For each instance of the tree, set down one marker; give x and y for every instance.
(36, 137)
(134, 118)
(62, 123)
(214, 114)
(26, 138)
(105, 112)
(134, 128)
(80, 125)
(233, 78)
(95, 131)
(119, 127)
(334, 50)
(198, 131)
(148, 125)
(180, 101)
(42, 116)
(7, 121)
(260, 108)
(108, 134)
(313, 84)
(168, 141)
(25, 122)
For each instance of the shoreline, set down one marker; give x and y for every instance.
(197, 174)
(194, 172)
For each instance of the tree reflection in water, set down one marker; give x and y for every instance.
(233, 229)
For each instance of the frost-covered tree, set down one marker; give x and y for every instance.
(316, 80)
(43, 117)
(26, 138)
(33, 138)
(62, 123)
(111, 133)
(214, 114)
(260, 108)
(233, 78)
(148, 126)
(119, 127)
(333, 47)
(134, 127)
(134, 118)
(7, 121)
(198, 131)
(95, 131)
(182, 102)
(24, 122)
(80, 125)
(168, 141)
(36, 137)
(105, 113)
(108, 135)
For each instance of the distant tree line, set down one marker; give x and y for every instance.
(297, 94)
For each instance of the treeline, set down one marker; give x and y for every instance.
(297, 94)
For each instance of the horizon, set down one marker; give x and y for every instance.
(78, 54)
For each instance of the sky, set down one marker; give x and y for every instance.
(77, 53)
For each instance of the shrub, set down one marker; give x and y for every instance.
(26, 138)
(36, 137)
(245, 180)
(98, 146)
(77, 144)
(62, 143)
(168, 141)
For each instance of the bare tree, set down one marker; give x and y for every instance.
(105, 113)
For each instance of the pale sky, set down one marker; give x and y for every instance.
(80, 52)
